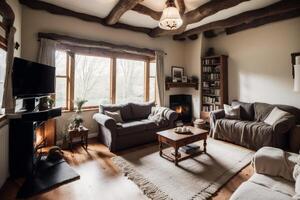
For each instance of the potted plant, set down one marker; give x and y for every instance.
(77, 119)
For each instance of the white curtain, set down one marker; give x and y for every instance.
(46, 53)
(8, 101)
(160, 77)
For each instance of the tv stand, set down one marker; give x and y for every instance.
(22, 137)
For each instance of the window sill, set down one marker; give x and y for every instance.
(83, 110)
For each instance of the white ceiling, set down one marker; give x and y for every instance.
(101, 8)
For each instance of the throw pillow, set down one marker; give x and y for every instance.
(115, 115)
(232, 112)
(247, 110)
(275, 115)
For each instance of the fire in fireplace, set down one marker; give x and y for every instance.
(182, 104)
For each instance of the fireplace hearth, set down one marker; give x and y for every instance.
(182, 104)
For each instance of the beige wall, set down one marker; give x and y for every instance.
(40, 21)
(4, 173)
(260, 62)
(192, 63)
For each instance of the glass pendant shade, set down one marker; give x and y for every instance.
(170, 19)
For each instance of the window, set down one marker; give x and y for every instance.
(130, 81)
(61, 79)
(152, 82)
(2, 75)
(103, 78)
(92, 79)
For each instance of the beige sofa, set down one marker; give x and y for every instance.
(273, 177)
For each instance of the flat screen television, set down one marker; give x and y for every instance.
(31, 79)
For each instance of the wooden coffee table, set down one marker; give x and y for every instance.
(175, 140)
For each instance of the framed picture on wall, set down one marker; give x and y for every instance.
(177, 73)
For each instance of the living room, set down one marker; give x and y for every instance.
(260, 44)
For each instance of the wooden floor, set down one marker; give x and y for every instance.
(100, 179)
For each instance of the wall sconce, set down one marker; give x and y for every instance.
(296, 71)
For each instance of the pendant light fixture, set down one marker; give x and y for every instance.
(170, 19)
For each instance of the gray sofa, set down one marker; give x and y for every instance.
(137, 129)
(250, 131)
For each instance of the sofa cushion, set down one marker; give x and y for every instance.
(253, 135)
(150, 125)
(141, 110)
(125, 110)
(262, 110)
(247, 110)
(292, 110)
(275, 115)
(115, 115)
(294, 141)
(252, 191)
(274, 183)
(131, 127)
(232, 112)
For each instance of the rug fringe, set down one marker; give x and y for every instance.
(148, 188)
(153, 192)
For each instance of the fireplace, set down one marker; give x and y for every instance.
(182, 104)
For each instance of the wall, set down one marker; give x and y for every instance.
(260, 62)
(40, 21)
(192, 62)
(4, 172)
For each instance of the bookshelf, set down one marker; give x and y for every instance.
(214, 84)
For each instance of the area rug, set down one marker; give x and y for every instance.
(195, 178)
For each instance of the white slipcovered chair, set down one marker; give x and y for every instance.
(273, 178)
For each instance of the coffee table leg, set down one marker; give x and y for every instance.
(205, 144)
(176, 156)
(160, 148)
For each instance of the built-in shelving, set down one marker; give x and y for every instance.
(214, 83)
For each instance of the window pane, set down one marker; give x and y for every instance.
(153, 69)
(130, 81)
(61, 63)
(61, 92)
(2, 74)
(152, 89)
(92, 79)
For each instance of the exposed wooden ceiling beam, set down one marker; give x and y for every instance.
(147, 11)
(181, 6)
(197, 15)
(7, 13)
(246, 17)
(119, 9)
(263, 21)
(40, 5)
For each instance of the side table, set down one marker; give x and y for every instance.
(81, 133)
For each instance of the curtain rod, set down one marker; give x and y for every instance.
(64, 39)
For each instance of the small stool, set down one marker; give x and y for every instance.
(199, 123)
(79, 132)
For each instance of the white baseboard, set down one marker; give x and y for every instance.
(91, 135)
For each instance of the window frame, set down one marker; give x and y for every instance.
(113, 56)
